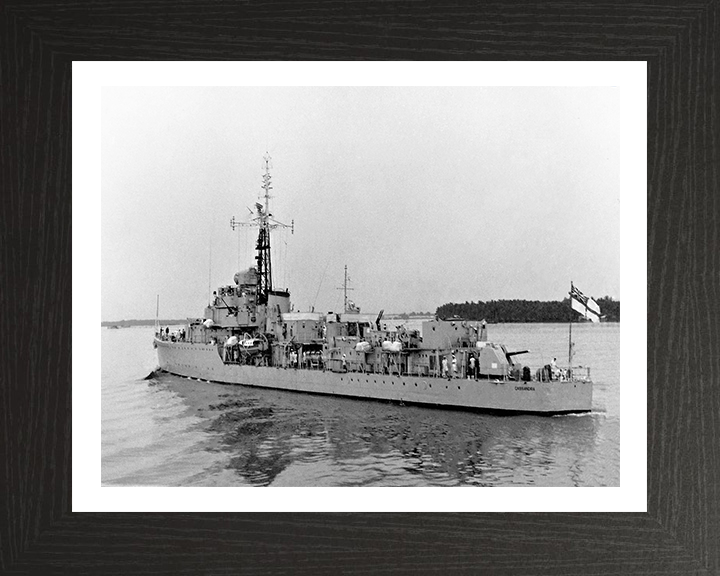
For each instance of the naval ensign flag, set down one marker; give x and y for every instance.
(585, 305)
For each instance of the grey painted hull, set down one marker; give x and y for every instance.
(202, 361)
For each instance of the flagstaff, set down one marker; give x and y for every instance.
(570, 345)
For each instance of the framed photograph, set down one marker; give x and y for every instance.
(650, 509)
(500, 182)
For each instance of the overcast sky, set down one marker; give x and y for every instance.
(429, 195)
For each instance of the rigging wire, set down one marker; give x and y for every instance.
(245, 246)
(338, 301)
(212, 227)
(276, 254)
(285, 263)
(321, 281)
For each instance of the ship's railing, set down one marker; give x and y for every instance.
(399, 370)
(174, 336)
(236, 355)
(314, 364)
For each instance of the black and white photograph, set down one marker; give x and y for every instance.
(360, 286)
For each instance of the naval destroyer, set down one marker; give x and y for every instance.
(249, 335)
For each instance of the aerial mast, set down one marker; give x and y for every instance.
(265, 222)
(345, 289)
(267, 183)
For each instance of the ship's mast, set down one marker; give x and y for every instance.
(267, 183)
(345, 289)
(265, 222)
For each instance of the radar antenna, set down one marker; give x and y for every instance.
(264, 221)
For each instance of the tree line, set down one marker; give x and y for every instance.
(525, 310)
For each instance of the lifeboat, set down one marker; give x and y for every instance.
(388, 346)
(363, 347)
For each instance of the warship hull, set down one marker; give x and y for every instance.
(203, 362)
(249, 334)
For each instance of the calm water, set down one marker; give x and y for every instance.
(171, 431)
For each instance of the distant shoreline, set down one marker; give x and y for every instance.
(183, 321)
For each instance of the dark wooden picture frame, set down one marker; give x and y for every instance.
(679, 534)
